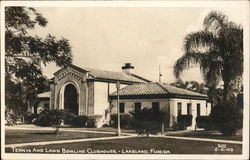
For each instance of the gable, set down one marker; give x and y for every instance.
(99, 75)
(70, 71)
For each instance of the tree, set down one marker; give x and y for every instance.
(53, 118)
(191, 85)
(218, 50)
(24, 55)
(227, 117)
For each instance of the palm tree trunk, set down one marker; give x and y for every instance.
(226, 95)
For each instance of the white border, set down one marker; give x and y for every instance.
(245, 146)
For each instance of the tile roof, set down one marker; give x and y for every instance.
(102, 74)
(141, 89)
(44, 95)
(109, 75)
(180, 91)
(155, 89)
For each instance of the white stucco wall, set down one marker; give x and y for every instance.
(130, 104)
(101, 96)
(203, 108)
(168, 105)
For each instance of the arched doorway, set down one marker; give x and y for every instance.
(71, 99)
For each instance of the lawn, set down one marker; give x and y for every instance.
(23, 136)
(206, 134)
(144, 144)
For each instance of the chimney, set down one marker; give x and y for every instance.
(128, 68)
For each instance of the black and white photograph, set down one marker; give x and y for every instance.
(124, 80)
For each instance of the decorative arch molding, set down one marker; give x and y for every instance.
(61, 94)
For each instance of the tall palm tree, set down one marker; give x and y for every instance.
(218, 50)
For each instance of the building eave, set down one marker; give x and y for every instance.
(111, 81)
(158, 96)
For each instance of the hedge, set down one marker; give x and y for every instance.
(126, 119)
(184, 121)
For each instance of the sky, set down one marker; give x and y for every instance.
(107, 37)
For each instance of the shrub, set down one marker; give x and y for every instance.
(148, 120)
(227, 117)
(43, 119)
(126, 120)
(29, 117)
(184, 121)
(91, 123)
(79, 121)
(204, 122)
(11, 117)
(52, 118)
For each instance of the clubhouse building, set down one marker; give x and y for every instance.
(86, 91)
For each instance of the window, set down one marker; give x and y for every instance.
(179, 108)
(122, 107)
(189, 109)
(137, 107)
(198, 109)
(155, 106)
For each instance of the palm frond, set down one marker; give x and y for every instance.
(211, 68)
(215, 21)
(186, 61)
(199, 41)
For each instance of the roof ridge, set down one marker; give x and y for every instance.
(185, 89)
(159, 84)
(137, 76)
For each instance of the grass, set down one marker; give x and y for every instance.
(105, 129)
(206, 134)
(174, 146)
(23, 136)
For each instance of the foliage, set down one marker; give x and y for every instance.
(148, 120)
(29, 117)
(191, 85)
(183, 121)
(75, 120)
(80, 121)
(10, 117)
(218, 49)
(24, 55)
(205, 122)
(91, 123)
(126, 120)
(93, 120)
(52, 118)
(227, 117)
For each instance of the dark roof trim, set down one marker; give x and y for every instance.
(159, 96)
(139, 77)
(111, 81)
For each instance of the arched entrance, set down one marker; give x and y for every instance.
(71, 99)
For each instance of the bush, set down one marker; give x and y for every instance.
(29, 117)
(184, 121)
(147, 120)
(11, 117)
(49, 117)
(227, 117)
(126, 120)
(43, 119)
(204, 122)
(52, 118)
(79, 121)
(91, 123)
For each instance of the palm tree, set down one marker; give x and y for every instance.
(218, 50)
